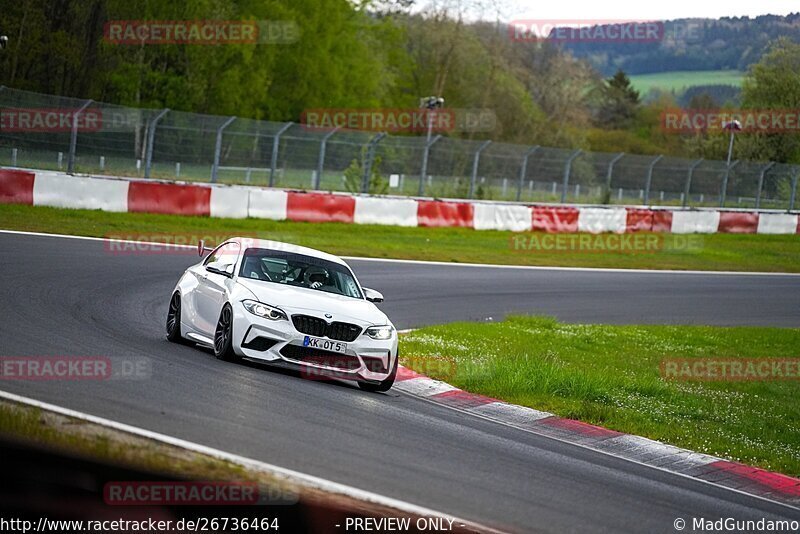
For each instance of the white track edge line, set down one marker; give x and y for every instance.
(439, 263)
(287, 474)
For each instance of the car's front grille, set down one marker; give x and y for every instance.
(321, 357)
(343, 331)
(314, 326)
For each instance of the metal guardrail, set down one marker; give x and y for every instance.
(194, 147)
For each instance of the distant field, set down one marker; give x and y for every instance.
(680, 80)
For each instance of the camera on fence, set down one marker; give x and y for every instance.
(3, 42)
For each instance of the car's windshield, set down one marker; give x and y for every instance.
(299, 270)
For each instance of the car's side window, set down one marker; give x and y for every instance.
(213, 256)
(352, 289)
(226, 254)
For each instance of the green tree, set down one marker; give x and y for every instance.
(619, 102)
(774, 84)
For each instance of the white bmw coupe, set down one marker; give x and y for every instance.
(284, 304)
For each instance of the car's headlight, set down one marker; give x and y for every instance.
(380, 332)
(264, 310)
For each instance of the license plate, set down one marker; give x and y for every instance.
(324, 344)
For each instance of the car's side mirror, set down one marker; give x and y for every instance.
(218, 267)
(372, 295)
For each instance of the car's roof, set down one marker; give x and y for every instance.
(249, 242)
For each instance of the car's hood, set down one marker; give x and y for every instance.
(309, 301)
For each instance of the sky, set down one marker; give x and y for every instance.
(635, 10)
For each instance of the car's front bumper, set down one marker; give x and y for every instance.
(279, 342)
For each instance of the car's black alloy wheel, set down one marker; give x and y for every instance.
(174, 319)
(223, 336)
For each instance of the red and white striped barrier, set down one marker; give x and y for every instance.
(16, 187)
(62, 191)
(151, 196)
(555, 219)
(598, 220)
(388, 211)
(502, 217)
(437, 213)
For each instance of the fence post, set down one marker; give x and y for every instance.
(649, 180)
(761, 175)
(368, 157)
(567, 170)
(524, 170)
(276, 143)
(73, 141)
(425, 154)
(321, 161)
(688, 185)
(218, 148)
(794, 188)
(724, 192)
(475, 162)
(151, 134)
(610, 172)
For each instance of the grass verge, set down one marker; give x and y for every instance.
(610, 376)
(34, 425)
(773, 253)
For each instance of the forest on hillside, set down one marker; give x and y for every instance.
(728, 43)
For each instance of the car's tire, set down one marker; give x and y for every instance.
(174, 319)
(223, 335)
(385, 384)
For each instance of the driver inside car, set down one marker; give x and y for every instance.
(316, 277)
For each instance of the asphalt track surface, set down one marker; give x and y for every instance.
(74, 297)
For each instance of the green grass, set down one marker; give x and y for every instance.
(775, 253)
(609, 375)
(679, 81)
